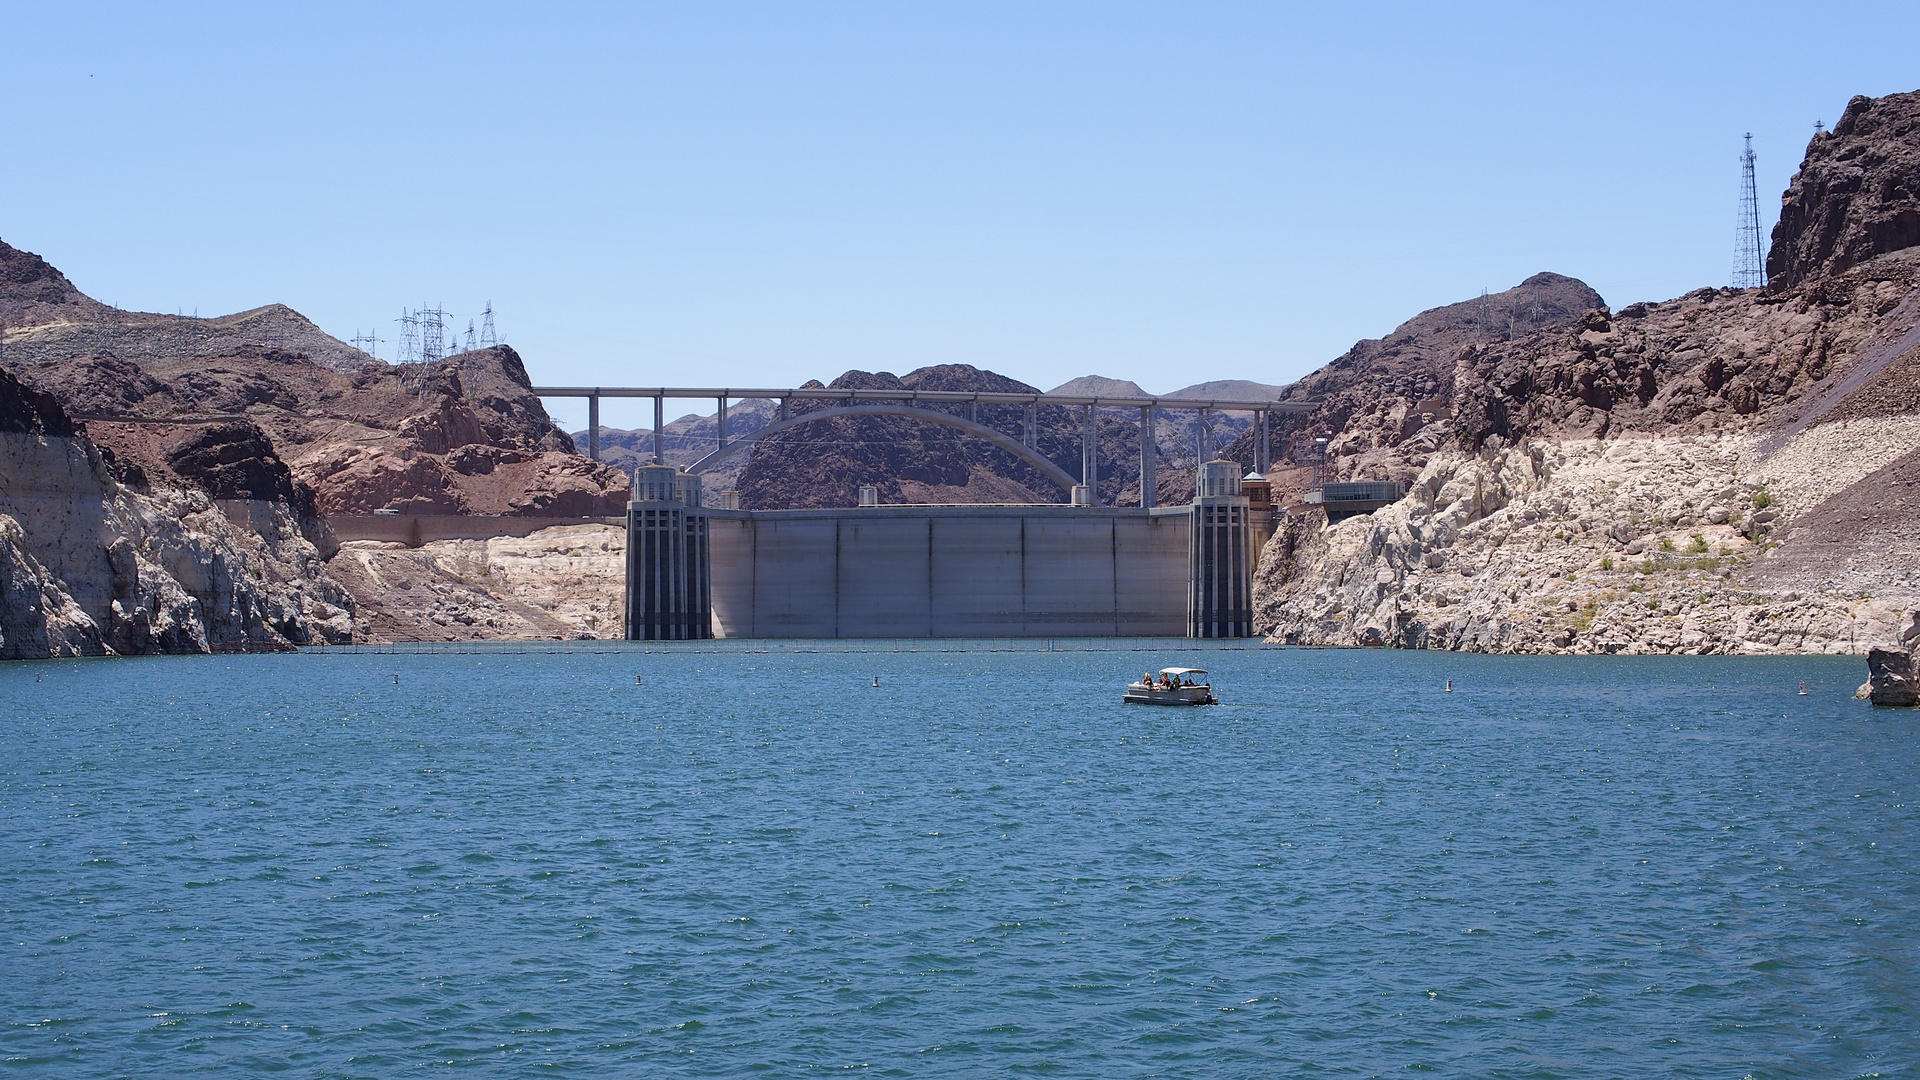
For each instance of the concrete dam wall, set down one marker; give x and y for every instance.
(940, 571)
(950, 571)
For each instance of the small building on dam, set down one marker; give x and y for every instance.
(918, 571)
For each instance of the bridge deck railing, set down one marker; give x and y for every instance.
(945, 396)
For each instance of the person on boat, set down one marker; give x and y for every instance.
(1146, 678)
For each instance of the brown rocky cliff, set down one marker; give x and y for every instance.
(179, 401)
(1727, 471)
(1856, 195)
(1712, 360)
(88, 566)
(1390, 401)
(33, 292)
(178, 514)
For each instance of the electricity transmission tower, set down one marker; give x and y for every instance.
(1749, 262)
(433, 333)
(426, 335)
(409, 337)
(368, 342)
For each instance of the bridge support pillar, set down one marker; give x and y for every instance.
(593, 426)
(659, 426)
(1089, 456)
(1147, 448)
(723, 424)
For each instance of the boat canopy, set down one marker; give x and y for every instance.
(1183, 671)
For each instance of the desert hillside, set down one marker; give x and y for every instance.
(1727, 471)
(134, 437)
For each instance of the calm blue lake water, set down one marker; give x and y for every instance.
(759, 862)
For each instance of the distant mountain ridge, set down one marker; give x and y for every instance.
(1099, 386)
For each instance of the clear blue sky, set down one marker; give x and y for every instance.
(755, 194)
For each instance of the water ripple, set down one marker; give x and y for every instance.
(758, 863)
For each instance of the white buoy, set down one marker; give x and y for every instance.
(396, 678)
(636, 680)
(876, 680)
(1803, 689)
(1449, 686)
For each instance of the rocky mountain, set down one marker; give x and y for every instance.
(1854, 196)
(916, 461)
(1731, 470)
(266, 417)
(1388, 401)
(1099, 386)
(1231, 390)
(824, 464)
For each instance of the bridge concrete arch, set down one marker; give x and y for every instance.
(932, 416)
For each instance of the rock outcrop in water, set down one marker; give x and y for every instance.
(1891, 678)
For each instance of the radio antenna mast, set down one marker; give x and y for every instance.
(1749, 261)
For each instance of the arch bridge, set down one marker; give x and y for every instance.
(906, 403)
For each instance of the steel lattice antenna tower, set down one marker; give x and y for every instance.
(488, 339)
(1749, 262)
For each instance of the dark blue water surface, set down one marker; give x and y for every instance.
(524, 864)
